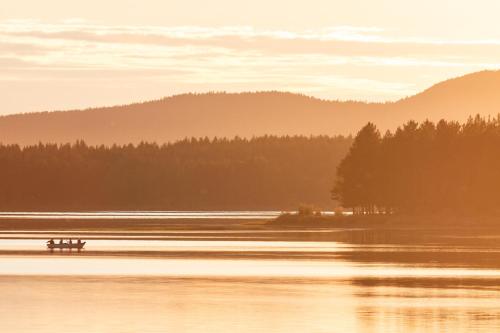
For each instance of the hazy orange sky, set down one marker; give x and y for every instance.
(60, 54)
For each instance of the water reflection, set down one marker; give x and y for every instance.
(141, 304)
(107, 266)
(251, 281)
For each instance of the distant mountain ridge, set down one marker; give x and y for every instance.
(251, 114)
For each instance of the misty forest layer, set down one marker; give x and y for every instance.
(443, 167)
(196, 174)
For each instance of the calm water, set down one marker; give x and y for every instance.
(250, 281)
(142, 215)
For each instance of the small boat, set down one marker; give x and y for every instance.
(78, 246)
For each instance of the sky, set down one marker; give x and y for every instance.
(60, 54)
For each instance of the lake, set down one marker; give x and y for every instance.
(249, 278)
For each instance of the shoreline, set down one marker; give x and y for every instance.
(383, 221)
(284, 222)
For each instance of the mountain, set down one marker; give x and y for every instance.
(456, 99)
(251, 114)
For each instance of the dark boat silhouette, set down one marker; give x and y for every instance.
(78, 246)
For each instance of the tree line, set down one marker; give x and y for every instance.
(266, 172)
(443, 167)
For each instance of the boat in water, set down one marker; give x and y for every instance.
(77, 246)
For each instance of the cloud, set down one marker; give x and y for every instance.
(342, 61)
(122, 46)
(80, 29)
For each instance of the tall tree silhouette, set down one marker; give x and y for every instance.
(356, 183)
(426, 167)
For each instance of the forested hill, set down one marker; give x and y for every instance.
(251, 114)
(239, 174)
(189, 115)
